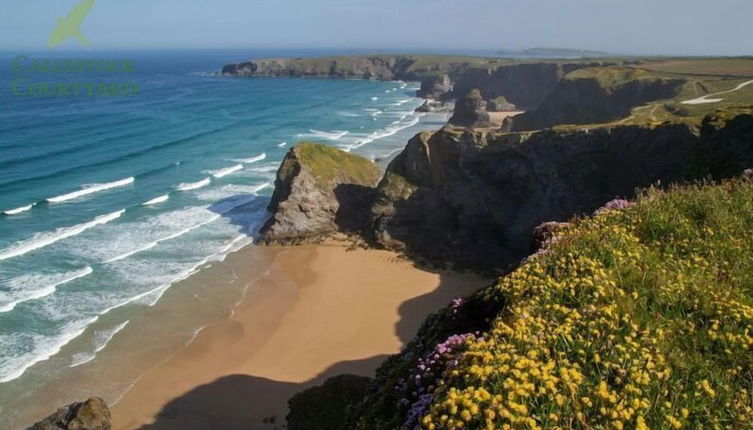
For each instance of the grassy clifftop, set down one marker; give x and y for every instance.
(327, 164)
(638, 317)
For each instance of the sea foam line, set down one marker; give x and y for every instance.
(101, 339)
(253, 159)
(187, 186)
(151, 245)
(226, 171)
(49, 350)
(40, 240)
(156, 200)
(46, 291)
(19, 210)
(330, 135)
(90, 189)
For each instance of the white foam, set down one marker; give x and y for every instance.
(329, 135)
(14, 367)
(282, 144)
(40, 240)
(226, 171)
(262, 186)
(161, 199)
(253, 159)
(264, 169)
(19, 210)
(187, 186)
(375, 98)
(25, 285)
(348, 114)
(389, 131)
(101, 339)
(151, 245)
(90, 189)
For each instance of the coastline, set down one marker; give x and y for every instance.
(320, 310)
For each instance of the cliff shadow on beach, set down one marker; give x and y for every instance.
(245, 402)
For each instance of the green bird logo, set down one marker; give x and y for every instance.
(70, 26)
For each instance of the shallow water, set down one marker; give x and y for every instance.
(108, 203)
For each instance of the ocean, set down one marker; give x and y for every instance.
(108, 203)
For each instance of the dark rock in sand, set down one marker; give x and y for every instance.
(319, 190)
(470, 111)
(92, 414)
(326, 406)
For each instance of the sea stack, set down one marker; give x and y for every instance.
(319, 190)
(470, 111)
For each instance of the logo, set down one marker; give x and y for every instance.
(73, 77)
(70, 26)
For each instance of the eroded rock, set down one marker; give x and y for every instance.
(319, 190)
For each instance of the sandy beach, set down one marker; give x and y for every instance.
(320, 311)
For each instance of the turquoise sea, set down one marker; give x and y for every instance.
(108, 202)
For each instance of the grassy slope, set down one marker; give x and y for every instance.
(703, 75)
(328, 163)
(639, 318)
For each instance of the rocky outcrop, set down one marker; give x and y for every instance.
(472, 198)
(435, 106)
(435, 87)
(92, 414)
(596, 95)
(319, 190)
(326, 406)
(500, 104)
(470, 111)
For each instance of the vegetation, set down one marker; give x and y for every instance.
(328, 163)
(638, 317)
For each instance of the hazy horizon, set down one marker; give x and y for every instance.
(669, 27)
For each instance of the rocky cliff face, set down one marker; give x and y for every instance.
(372, 67)
(92, 414)
(442, 77)
(472, 198)
(319, 190)
(590, 96)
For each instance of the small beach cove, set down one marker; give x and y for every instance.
(320, 311)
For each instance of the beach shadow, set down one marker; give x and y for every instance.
(244, 402)
(451, 285)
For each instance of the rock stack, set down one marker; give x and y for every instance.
(470, 111)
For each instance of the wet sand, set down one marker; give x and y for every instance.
(320, 311)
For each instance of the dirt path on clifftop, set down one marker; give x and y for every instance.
(706, 99)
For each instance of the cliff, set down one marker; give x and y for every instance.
(471, 198)
(596, 95)
(319, 190)
(524, 84)
(380, 67)
(638, 317)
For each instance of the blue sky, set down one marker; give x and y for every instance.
(722, 27)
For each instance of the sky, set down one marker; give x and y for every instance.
(640, 27)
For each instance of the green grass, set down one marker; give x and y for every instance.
(328, 164)
(737, 67)
(631, 319)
